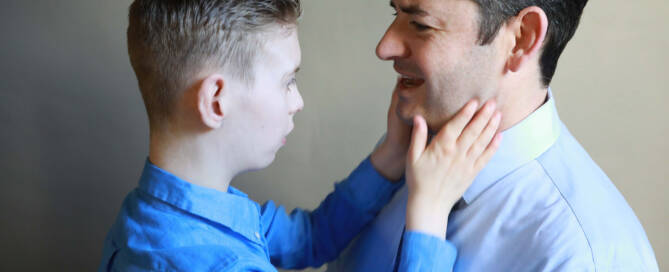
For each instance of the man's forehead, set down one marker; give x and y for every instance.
(414, 7)
(423, 5)
(431, 7)
(446, 12)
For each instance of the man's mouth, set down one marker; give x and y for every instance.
(408, 82)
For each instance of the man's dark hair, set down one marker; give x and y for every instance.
(563, 18)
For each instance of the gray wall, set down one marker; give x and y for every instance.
(73, 134)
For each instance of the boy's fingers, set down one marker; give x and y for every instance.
(393, 104)
(474, 129)
(485, 137)
(451, 131)
(418, 138)
(488, 153)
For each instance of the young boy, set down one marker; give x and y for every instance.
(218, 82)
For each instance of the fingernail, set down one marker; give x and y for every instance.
(416, 119)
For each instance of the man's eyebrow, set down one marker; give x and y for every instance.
(412, 9)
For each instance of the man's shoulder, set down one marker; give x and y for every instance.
(585, 189)
(566, 204)
(571, 169)
(576, 221)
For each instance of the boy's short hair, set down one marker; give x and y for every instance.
(171, 41)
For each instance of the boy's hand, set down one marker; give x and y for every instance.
(438, 175)
(390, 157)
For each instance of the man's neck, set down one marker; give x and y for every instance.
(519, 102)
(192, 160)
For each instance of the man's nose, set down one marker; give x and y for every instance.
(392, 45)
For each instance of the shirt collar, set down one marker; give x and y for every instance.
(520, 144)
(232, 209)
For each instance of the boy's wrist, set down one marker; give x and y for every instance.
(388, 163)
(427, 217)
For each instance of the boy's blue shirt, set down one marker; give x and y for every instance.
(167, 223)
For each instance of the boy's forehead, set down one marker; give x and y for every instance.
(281, 51)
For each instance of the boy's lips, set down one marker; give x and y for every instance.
(290, 129)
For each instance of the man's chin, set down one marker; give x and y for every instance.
(405, 117)
(435, 125)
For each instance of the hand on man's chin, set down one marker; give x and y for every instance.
(390, 157)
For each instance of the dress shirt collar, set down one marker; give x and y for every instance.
(520, 144)
(232, 209)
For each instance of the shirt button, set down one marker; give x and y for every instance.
(257, 235)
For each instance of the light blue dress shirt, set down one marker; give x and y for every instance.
(168, 224)
(541, 204)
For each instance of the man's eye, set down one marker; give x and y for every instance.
(395, 13)
(419, 26)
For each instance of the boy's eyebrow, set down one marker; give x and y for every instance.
(412, 9)
(297, 69)
(292, 73)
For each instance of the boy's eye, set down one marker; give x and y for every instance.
(419, 26)
(395, 13)
(291, 83)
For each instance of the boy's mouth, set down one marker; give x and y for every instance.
(290, 129)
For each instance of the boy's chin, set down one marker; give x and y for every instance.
(263, 163)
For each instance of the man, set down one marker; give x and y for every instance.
(541, 204)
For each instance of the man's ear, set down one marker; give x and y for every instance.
(529, 28)
(209, 101)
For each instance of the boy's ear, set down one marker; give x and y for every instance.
(210, 102)
(529, 28)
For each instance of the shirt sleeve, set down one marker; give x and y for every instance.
(309, 239)
(423, 252)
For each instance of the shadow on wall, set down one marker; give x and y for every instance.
(73, 131)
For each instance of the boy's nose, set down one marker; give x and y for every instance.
(298, 104)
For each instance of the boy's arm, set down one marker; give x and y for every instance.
(304, 239)
(437, 176)
(309, 239)
(425, 252)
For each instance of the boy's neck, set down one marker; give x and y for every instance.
(191, 159)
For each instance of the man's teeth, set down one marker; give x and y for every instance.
(410, 81)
